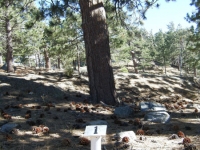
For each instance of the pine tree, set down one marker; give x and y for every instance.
(13, 14)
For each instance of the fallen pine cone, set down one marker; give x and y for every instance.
(37, 130)
(196, 110)
(181, 134)
(186, 140)
(7, 116)
(84, 141)
(140, 132)
(45, 130)
(125, 139)
(8, 137)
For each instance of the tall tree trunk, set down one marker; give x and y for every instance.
(78, 60)
(1, 60)
(180, 57)
(39, 61)
(165, 65)
(58, 62)
(47, 60)
(135, 63)
(195, 71)
(100, 73)
(74, 64)
(9, 48)
(36, 61)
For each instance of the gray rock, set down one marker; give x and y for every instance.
(7, 128)
(2, 122)
(123, 112)
(158, 117)
(4, 67)
(151, 106)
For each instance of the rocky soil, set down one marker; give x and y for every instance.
(47, 110)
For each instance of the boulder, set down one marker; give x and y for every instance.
(157, 116)
(151, 106)
(7, 128)
(123, 111)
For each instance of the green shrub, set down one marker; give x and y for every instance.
(69, 71)
(124, 70)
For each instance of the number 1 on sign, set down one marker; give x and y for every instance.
(95, 130)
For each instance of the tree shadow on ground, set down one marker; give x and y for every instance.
(61, 119)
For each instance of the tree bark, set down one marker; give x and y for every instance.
(59, 63)
(36, 61)
(1, 60)
(78, 60)
(47, 60)
(135, 63)
(195, 71)
(39, 61)
(9, 48)
(74, 64)
(98, 58)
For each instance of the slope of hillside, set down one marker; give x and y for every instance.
(63, 105)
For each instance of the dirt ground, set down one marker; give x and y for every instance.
(36, 97)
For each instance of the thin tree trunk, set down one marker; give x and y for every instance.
(39, 61)
(29, 63)
(180, 57)
(195, 71)
(100, 73)
(78, 60)
(9, 48)
(135, 64)
(74, 64)
(58, 62)
(36, 62)
(1, 60)
(165, 66)
(47, 60)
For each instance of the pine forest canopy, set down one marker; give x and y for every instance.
(105, 28)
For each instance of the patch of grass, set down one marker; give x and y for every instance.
(69, 71)
(124, 70)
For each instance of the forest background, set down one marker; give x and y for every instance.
(60, 34)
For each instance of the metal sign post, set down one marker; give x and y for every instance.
(95, 133)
